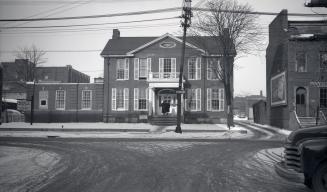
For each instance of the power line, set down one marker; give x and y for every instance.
(96, 16)
(95, 24)
(157, 11)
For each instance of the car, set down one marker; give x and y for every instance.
(305, 158)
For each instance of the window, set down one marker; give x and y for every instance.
(167, 68)
(194, 68)
(214, 69)
(141, 99)
(142, 67)
(215, 99)
(86, 99)
(60, 99)
(193, 101)
(300, 62)
(323, 98)
(43, 99)
(119, 99)
(323, 61)
(122, 69)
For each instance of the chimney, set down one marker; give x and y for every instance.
(115, 34)
(261, 93)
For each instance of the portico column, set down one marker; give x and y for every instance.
(151, 101)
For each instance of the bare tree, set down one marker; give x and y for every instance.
(234, 30)
(34, 58)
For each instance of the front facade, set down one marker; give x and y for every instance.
(140, 73)
(296, 71)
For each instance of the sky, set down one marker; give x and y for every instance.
(81, 46)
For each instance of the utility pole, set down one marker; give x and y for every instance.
(1, 82)
(186, 15)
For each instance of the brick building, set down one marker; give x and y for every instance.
(65, 74)
(66, 102)
(296, 72)
(142, 72)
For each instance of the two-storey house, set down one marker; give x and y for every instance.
(140, 73)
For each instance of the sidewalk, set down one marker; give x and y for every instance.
(121, 130)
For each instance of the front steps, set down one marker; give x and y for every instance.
(309, 121)
(163, 120)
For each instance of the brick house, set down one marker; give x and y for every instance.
(140, 73)
(296, 72)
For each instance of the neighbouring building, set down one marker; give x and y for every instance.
(296, 72)
(65, 74)
(140, 73)
(66, 102)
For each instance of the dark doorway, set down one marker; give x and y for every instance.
(301, 108)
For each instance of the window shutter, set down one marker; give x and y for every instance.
(161, 69)
(198, 99)
(147, 98)
(126, 95)
(113, 99)
(149, 66)
(136, 99)
(209, 99)
(221, 99)
(198, 68)
(126, 71)
(209, 73)
(136, 68)
(220, 69)
(173, 67)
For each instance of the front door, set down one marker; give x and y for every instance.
(301, 106)
(168, 96)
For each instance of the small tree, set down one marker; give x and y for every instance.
(232, 28)
(34, 58)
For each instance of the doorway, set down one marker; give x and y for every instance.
(301, 107)
(169, 96)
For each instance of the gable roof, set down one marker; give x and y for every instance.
(129, 45)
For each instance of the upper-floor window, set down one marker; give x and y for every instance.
(323, 61)
(194, 68)
(122, 69)
(301, 62)
(119, 100)
(141, 99)
(43, 99)
(86, 99)
(60, 99)
(193, 101)
(214, 69)
(142, 67)
(323, 98)
(167, 68)
(215, 99)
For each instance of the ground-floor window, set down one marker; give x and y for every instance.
(141, 99)
(60, 99)
(193, 100)
(215, 99)
(323, 98)
(119, 99)
(86, 99)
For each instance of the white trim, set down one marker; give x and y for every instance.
(43, 107)
(113, 99)
(136, 99)
(108, 56)
(62, 108)
(136, 68)
(159, 39)
(89, 108)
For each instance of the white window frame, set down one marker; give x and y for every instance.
(57, 99)
(83, 100)
(114, 99)
(305, 62)
(221, 97)
(197, 75)
(197, 100)
(172, 68)
(209, 69)
(126, 69)
(137, 68)
(43, 96)
(137, 97)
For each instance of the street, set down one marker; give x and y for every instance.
(141, 165)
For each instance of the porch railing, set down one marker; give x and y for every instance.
(165, 76)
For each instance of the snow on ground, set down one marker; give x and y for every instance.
(24, 167)
(278, 130)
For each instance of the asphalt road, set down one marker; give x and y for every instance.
(98, 165)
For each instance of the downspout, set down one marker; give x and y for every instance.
(108, 93)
